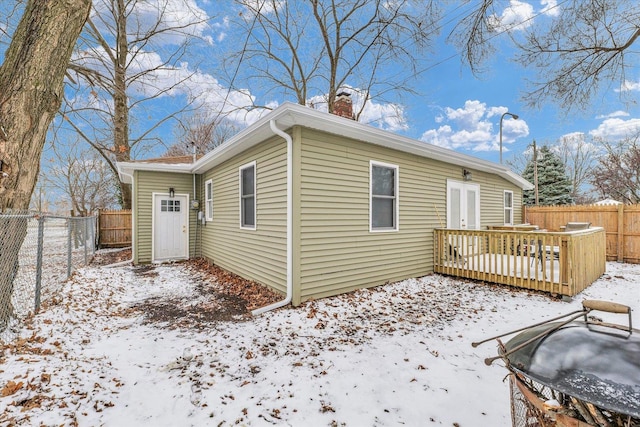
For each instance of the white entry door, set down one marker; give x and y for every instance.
(463, 205)
(170, 227)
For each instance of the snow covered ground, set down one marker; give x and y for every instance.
(399, 354)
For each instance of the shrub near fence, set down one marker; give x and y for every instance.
(621, 223)
(38, 253)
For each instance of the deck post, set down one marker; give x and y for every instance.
(565, 265)
(620, 248)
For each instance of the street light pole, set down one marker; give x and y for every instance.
(515, 117)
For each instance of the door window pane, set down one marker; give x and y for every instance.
(454, 193)
(471, 209)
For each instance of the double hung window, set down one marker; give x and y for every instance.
(248, 196)
(383, 212)
(508, 207)
(208, 199)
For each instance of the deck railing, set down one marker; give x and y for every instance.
(558, 263)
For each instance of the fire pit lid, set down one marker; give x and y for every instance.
(593, 363)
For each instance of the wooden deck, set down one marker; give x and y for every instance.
(558, 263)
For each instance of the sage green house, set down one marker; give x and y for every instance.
(312, 204)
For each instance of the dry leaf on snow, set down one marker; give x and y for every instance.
(11, 388)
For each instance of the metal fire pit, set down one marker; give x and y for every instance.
(574, 373)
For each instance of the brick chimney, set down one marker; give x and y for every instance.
(342, 106)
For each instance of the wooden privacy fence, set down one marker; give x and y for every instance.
(559, 263)
(621, 223)
(114, 228)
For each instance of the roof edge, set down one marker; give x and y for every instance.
(289, 114)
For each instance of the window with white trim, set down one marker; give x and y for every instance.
(508, 207)
(383, 207)
(248, 196)
(208, 199)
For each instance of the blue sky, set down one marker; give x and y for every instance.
(452, 107)
(458, 110)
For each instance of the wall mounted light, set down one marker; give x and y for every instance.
(171, 192)
(466, 175)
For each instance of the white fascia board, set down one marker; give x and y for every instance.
(126, 169)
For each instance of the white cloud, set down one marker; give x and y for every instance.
(618, 113)
(262, 7)
(576, 141)
(517, 16)
(209, 95)
(222, 27)
(388, 116)
(174, 21)
(157, 80)
(616, 129)
(550, 7)
(474, 127)
(520, 15)
(629, 86)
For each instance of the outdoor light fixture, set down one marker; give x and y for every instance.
(515, 117)
(171, 192)
(466, 175)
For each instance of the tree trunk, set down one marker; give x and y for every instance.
(31, 85)
(120, 99)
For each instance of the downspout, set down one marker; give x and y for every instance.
(289, 295)
(195, 197)
(133, 212)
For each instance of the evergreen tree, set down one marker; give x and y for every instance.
(554, 187)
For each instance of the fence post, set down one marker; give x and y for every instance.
(84, 237)
(94, 242)
(620, 233)
(97, 227)
(39, 261)
(69, 231)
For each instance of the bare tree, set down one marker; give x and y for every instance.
(202, 132)
(82, 176)
(31, 85)
(129, 54)
(579, 157)
(316, 47)
(518, 162)
(617, 174)
(587, 46)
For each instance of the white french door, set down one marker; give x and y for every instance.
(463, 205)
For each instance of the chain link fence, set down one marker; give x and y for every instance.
(38, 253)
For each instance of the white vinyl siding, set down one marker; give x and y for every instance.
(508, 207)
(248, 196)
(208, 195)
(383, 204)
